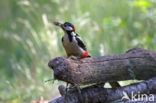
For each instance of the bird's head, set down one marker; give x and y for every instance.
(67, 27)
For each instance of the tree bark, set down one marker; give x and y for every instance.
(136, 63)
(94, 94)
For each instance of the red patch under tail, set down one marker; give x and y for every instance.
(85, 55)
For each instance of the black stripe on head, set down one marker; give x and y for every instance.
(68, 24)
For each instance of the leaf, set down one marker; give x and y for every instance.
(142, 3)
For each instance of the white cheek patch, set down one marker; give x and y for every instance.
(69, 28)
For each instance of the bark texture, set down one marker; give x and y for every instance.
(94, 94)
(136, 63)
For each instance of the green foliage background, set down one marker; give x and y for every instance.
(28, 39)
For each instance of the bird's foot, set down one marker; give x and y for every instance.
(75, 58)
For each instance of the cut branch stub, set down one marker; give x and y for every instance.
(60, 67)
(135, 64)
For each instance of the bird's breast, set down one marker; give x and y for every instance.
(72, 47)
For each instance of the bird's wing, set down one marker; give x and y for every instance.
(80, 43)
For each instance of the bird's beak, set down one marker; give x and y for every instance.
(58, 24)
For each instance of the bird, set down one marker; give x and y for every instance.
(72, 42)
(74, 46)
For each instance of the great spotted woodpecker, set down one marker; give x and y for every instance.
(72, 42)
(74, 46)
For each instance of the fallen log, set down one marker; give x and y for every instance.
(94, 94)
(136, 64)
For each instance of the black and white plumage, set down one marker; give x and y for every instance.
(74, 46)
(72, 42)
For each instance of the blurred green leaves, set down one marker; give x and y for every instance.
(116, 22)
(142, 4)
(28, 40)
